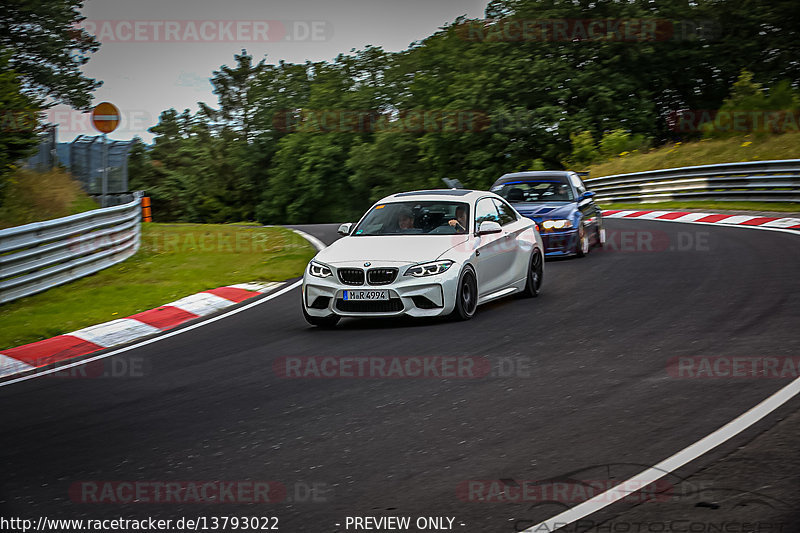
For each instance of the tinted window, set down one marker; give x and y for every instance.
(414, 218)
(576, 181)
(484, 211)
(535, 191)
(507, 215)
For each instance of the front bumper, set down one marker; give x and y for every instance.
(427, 296)
(559, 243)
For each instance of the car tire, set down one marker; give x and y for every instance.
(582, 244)
(533, 282)
(320, 321)
(466, 295)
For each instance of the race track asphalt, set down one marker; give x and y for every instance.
(589, 396)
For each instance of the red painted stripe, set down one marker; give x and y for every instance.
(672, 216)
(637, 214)
(713, 218)
(611, 211)
(233, 294)
(758, 221)
(51, 350)
(164, 317)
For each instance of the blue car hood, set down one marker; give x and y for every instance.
(545, 211)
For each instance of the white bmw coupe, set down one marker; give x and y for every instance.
(422, 254)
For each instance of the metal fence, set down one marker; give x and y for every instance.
(86, 164)
(763, 181)
(38, 256)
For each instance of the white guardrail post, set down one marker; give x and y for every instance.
(762, 181)
(41, 255)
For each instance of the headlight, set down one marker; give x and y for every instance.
(428, 269)
(319, 270)
(560, 223)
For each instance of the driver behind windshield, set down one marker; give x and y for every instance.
(405, 220)
(460, 222)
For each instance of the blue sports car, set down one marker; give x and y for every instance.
(568, 219)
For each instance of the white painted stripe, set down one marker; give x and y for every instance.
(691, 217)
(690, 453)
(166, 335)
(257, 287)
(654, 214)
(105, 117)
(668, 465)
(318, 244)
(782, 223)
(161, 337)
(115, 332)
(717, 224)
(10, 366)
(202, 303)
(619, 215)
(736, 219)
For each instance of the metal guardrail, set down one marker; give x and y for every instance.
(38, 256)
(763, 181)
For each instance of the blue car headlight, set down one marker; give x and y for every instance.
(319, 270)
(559, 223)
(428, 269)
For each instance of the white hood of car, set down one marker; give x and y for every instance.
(389, 248)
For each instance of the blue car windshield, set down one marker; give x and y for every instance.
(415, 218)
(535, 191)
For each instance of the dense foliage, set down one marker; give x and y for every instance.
(525, 88)
(42, 50)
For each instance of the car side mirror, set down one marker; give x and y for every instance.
(345, 228)
(587, 195)
(489, 226)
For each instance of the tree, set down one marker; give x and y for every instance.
(19, 115)
(48, 49)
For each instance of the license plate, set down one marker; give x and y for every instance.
(366, 295)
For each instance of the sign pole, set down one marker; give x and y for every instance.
(104, 202)
(105, 117)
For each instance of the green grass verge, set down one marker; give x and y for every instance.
(174, 261)
(756, 147)
(782, 207)
(36, 196)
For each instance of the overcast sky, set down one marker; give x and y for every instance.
(157, 54)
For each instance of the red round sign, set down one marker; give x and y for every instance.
(105, 117)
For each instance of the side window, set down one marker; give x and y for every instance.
(485, 210)
(576, 181)
(507, 215)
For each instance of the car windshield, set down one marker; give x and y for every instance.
(535, 191)
(415, 218)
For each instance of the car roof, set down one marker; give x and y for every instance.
(453, 195)
(545, 174)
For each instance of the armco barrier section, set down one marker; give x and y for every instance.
(763, 181)
(38, 256)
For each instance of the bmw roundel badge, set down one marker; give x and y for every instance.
(367, 264)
